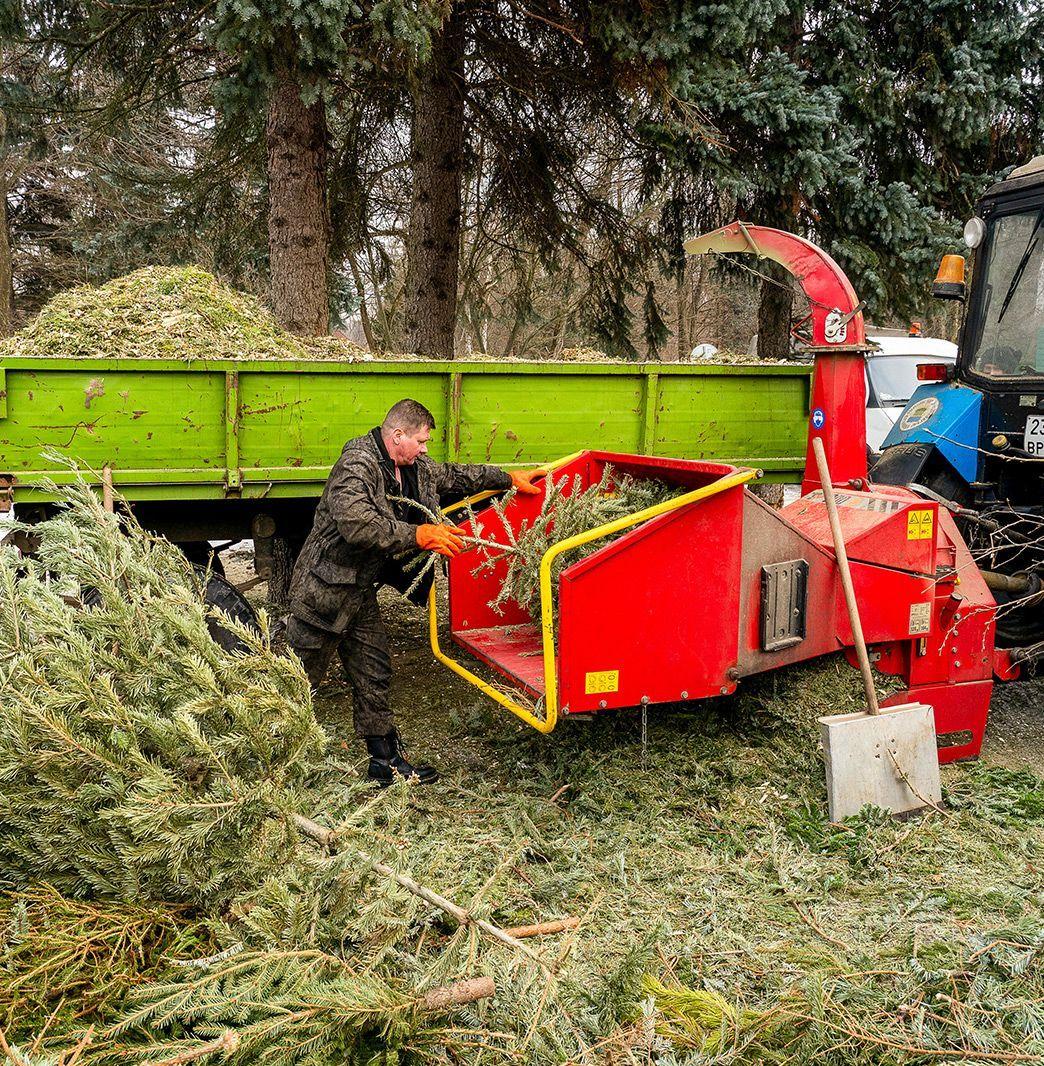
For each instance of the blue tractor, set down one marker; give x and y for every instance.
(972, 436)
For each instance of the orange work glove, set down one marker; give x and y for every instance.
(444, 540)
(523, 481)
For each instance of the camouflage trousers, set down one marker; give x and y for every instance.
(363, 649)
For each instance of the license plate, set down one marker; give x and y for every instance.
(1034, 443)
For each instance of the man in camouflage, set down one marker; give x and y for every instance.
(363, 526)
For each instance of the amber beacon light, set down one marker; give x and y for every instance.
(949, 281)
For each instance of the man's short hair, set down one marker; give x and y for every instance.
(407, 415)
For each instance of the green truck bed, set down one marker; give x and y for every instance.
(247, 429)
(253, 440)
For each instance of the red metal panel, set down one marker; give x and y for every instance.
(648, 618)
(887, 528)
(960, 715)
(769, 538)
(824, 282)
(470, 593)
(893, 605)
(514, 651)
(838, 417)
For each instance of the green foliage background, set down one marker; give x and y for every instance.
(599, 136)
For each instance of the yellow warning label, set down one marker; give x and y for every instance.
(602, 681)
(920, 525)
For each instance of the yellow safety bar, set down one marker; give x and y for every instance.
(547, 618)
(548, 468)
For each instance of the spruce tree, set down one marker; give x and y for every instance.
(885, 124)
(138, 758)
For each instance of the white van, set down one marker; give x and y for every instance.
(891, 377)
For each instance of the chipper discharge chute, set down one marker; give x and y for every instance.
(685, 599)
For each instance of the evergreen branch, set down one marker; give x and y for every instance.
(331, 840)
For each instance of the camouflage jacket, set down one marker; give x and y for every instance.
(357, 530)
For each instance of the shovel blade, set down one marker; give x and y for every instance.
(889, 760)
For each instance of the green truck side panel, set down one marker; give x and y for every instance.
(726, 417)
(209, 430)
(507, 419)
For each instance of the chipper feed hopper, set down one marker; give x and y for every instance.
(684, 600)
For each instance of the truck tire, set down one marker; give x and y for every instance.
(226, 597)
(219, 593)
(200, 554)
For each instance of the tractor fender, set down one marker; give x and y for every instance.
(944, 416)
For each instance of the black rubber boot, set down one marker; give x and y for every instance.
(387, 759)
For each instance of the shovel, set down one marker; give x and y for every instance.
(885, 757)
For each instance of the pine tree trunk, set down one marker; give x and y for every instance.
(683, 284)
(776, 306)
(6, 271)
(6, 267)
(774, 312)
(364, 314)
(437, 157)
(298, 213)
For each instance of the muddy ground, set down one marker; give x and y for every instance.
(449, 723)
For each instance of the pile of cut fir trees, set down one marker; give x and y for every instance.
(192, 871)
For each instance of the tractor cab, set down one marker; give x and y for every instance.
(974, 436)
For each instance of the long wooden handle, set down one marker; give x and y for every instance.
(846, 575)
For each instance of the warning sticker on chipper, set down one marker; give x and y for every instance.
(920, 525)
(596, 681)
(920, 618)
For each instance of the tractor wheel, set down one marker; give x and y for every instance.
(226, 597)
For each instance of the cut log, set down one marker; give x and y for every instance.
(457, 994)
(520, 932)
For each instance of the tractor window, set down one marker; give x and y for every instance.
(1010, 340)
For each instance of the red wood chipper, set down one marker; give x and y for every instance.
(713, 586)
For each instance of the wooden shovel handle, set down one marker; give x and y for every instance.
(846, 575)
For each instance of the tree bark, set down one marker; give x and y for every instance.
(776, 306)
(774, 312)
(6, 266)
(364, 314)
(457, 994)
(298, 212)
(437, 158)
